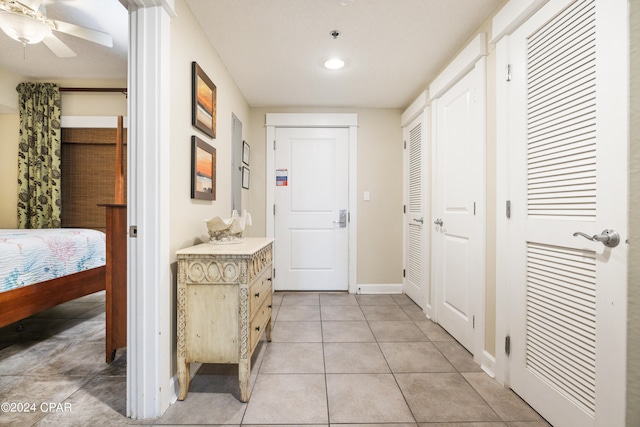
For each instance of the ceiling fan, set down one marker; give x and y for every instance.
(26, 22)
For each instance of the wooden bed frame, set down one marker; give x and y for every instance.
(23, 302)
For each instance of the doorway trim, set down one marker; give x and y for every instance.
(506, 21)
(316, 120)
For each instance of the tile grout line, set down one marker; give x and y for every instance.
(324, 363)
(393, 373)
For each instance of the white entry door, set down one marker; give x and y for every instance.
(416, 257)
(458, 220)
(567, 156)
(311, 209)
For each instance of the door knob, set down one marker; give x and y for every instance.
(438, 222)
(610, 238)
(420, 220)
(342, 214)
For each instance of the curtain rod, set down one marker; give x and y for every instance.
(122, 90)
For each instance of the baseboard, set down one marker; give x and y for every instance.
(488, 364)
(391, 288)
(175, 385)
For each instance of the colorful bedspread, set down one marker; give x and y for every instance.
(32, 256)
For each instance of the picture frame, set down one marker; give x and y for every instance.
(246, 152)
(204, 96)
(203, 170)
(245, 177)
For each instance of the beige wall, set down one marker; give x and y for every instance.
(379, 172)
(9, 127)
(8, 94)
(188, 43)
(73, 104)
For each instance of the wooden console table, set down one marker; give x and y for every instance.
(224, 306)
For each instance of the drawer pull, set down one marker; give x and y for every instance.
(257, 295)
(258, 328)
(269, 279)
(269, 306)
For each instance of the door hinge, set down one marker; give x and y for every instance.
(274, 273)
(404, 208)
(508, 208)
(507, 345)
(508, 73)
(349, 217)
(274, 209)
(404, 272)
(474, 208)
(405, 144)
(274, 144)
(473, 322)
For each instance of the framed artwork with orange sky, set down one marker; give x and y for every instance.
(203, 170)
(203, 112)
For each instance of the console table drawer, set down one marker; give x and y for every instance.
(259, 291)
(259, 322)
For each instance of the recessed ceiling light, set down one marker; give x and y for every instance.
(334, 63)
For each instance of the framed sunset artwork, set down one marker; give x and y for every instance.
(203, 170)
(203, 111)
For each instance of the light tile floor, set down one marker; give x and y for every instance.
(335, 359)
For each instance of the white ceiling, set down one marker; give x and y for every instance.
(275, 49)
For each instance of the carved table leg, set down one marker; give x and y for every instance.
(184, 377)
(244, 373)
(268, 331)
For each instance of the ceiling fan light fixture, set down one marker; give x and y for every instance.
(334, 63)
(23, 29)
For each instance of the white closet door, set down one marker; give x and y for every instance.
(568, 168)
(416, 220)
(458, 240)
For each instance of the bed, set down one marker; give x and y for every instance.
(35, 283)
(43, 268)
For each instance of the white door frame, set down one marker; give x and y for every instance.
(317, 120)
(150, 387)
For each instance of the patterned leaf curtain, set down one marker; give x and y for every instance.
(39, 200)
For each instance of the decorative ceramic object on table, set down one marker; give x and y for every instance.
(228, 231)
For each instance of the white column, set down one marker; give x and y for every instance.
(149, 379)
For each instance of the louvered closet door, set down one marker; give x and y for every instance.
(415, 247)
(568, 174)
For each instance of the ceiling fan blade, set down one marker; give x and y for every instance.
(84, 33)
(58, 47)
(31, 4)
